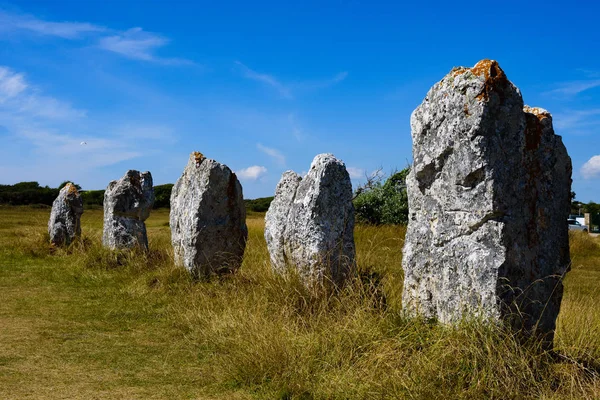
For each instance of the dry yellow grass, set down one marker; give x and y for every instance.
(85, 322)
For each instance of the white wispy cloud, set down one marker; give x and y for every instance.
(11, 84)
(573, 88)
(297, 130)
(65, 30)
(134, 43)
(267, 79)
(591, 169)
(137, 44)
(97, 152)
(339, 77)
(274, 153)
(18, 97)
(577, 121)
(52, 157)
(321, 84)
(46, 125)
(49, 107)
(356, 173)
(252, 173)
(288, 90)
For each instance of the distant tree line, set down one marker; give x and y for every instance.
(381, 200)
(29, 193)
(258, 205)
(24, 193)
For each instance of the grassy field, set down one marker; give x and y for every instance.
(88, 323)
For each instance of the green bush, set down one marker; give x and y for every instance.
(258, 205)
(380, 203)
(92, 197)
(162, 195)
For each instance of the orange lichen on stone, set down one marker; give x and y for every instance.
(71, 192)
(458, 71)
(198, 157)
(71, 189)
(540, 113)
(533, 133)
(493, 77)
(483, 67)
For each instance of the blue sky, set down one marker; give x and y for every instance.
(265, 86)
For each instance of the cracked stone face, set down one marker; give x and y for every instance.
(65, 218)
(127, 204)
(208, 218)
(310, 223)
(488, 199)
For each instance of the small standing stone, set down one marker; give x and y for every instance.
(488, 199)
(276, 219)
(127, 204)
(208, 218)
(65, 218)
(310, 223)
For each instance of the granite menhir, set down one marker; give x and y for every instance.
(489, 195)
(208, 218)
(310, 223)
(65, 218)
(127, 204)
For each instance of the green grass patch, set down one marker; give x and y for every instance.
(86, 322)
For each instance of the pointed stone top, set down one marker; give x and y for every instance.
(70, 189)
(324, 158)
(540, 113)
(197, 158)
(484, 68)
(489, 69)
(493, 76)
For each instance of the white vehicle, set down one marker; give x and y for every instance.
(576, 226)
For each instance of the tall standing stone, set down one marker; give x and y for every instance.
(127, 204)
(310, 223)
(65, 218)
(488, 198)
(208, 218)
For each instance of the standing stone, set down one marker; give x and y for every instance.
(127, 204)
(208, 218)
(488, 198)
(310, 223)
(278, 217)
(65, 218)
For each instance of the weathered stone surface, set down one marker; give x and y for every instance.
(310, 223)
(208, 218)
(488, 198)
(127, 204)
(277, 219)
(65, 218)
